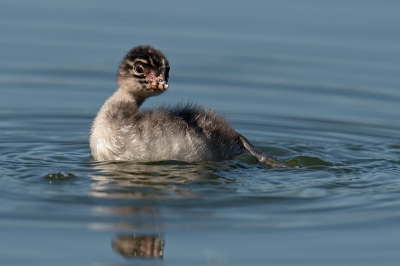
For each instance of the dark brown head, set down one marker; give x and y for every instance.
(144, 72)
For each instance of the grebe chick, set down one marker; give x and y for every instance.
(186, 132)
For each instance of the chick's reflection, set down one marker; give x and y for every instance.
(139, 246)
(126, 188)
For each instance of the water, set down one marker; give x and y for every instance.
(313, 83)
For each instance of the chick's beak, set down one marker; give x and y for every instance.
(159, 83)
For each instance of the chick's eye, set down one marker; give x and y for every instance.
(139, 69)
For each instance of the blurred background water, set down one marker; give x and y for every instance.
(309, 82)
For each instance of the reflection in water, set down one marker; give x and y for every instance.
(157, 180)
(147, 241)
(127, 180)
(139, 246)
(138, 181)
(141, 181)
